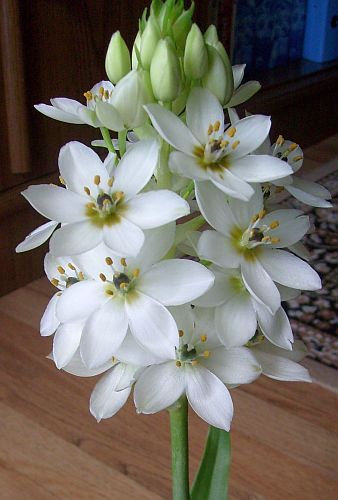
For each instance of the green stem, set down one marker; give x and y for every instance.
(122, 137)
(179, 450)
(107, 139)
(163, 172)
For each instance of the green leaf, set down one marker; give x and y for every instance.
(211, 481)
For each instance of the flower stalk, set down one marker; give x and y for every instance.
(107, 139)
(180, 450)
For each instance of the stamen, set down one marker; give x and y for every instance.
(88, 95)
(87, 190)
(102, 277)
(124, 285)
(61, 270)
(224, 143)
(274, 224)
(62, 181)
(216, 126)
(203, 338)
(97, 180)
(118, 196)
(109, 261)
(70, 265)
(180, 333)
(123, 262)
(262, 214)
(275, 240)
(210, 129)
(297, 158)
(280, 140)
(206, 354)
(266, 239)
(110, 181)
(293, 146)
(109, 292)
(106, 94)
(194, 362)
(235, 144)
(101, 91)
(255, 218)
(178, 364)
(136, 272)
(81, 276)
(54, 282)
(91, 205)
(231, 131)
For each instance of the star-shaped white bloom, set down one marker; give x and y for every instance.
(237, 312)
(134, 293)
(102, 202)
(248, 238)
(199, 367)
(205, 151)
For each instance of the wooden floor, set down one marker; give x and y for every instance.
(284, 436)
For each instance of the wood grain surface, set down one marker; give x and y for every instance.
(284, 436)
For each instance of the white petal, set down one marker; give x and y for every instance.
(156, 208)
(67, 105)
(234, 366)
(209, 397)
(123, 238)
(203, 109)
(214, 207)
(236, 321)
(37, 237)
(49, 321)
(103, 333)
(74, 239)
(300, 249)
(287, 293)
(66, 342)
(231, 184)
(171, 128)
(242, 211)
(244, 93)
(176, 281)
(276, 328)
(56, 203)
(260, 168)
(279, 368)
(79, 165)
(309, 192)
(217, 248)
(57, 114)
(159, 387)
(152, 325)
(131, 351)
(298, 352)
(136, 167)
(250, 132)
(157, 244)
(80, 300)
(184, 317)
(186, 166)
(291, 232)
(289, 270)
(76, 367)
(222, 289)
(238, 74)
(260, 285)
(109, 116)
(105, 401)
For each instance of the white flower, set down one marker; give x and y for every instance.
(237, 312)
(102, 202)
(248, 238)
(131, 292)
(280, 364)
(206, 152)
(199, 368)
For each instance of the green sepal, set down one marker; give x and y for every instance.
(211, 481)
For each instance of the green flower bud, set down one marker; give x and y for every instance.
(165, 72)
(182, 25)
(217, 79)
(135, 55)
(211, 35)
(149, 39)
(117, 58)
(195, 54)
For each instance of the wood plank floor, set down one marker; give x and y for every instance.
(284, 437)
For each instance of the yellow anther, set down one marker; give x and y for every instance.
(216, 126)
(110, 181)
(119, 195)
(124, 285)
(113, 359)
(279, 189)
(102, 277)
(81, 276)
(266, 239)
(106, 202)
(88, 95)
(255, 218)
(280, 140)
(123, 262)
(206, 354)
(54, 282)
(136, 272)
(194, 362)
(61, 270)
(180, 333)
(297, 158)
(70, 265)
(224, 143)
(97, 180)
(261, 214)
(274, 224)
(210, 129)
(234, 144)
(178, 364)
(91, 205)
(62, 181)
(101, 91)
(275, 240)
(106, 94)
(203, 338)
(87, 190)
(109, 261)
(109, 292)
(231, 131)
(293, 146)
(59, 294)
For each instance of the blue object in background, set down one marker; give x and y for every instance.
(321, 31)
(297, 28)
(244, 51)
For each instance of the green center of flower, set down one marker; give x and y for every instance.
(257, 339)
(107, 207)
(65, 279)
(190, 354)
(120, 283)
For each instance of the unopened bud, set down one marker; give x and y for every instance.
(117, 58)
(211, 36)
(135, 54)
(149, 39)
(165, 72)
(195, 54)
(182, 25)
(219, 77)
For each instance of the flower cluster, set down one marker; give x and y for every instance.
(143, 296)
